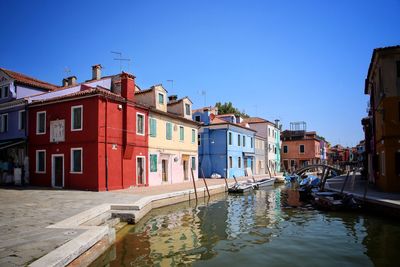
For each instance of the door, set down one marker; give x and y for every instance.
(58, 170)
(140, 167)
(164, 170)
(185, 170)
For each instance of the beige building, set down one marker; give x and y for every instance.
(173, 149)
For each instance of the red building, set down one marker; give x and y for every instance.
(93, 139)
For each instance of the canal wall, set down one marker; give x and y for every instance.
(85, 248)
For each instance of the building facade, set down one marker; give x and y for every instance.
(381, 126)
(226, 144)
(299, 149)
(271, 133)
(259, 145)
(15, 89)
(173, 149)
(78, 139)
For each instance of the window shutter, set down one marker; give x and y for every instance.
(153, 163)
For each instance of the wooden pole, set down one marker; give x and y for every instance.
(205, 183)
(194, 184)
(235, 179)
(226, 184)
(269, 172)
(345, 182)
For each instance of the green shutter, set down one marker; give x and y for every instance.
(181, 133)
(153, 163)
(169, 131)
(193, 163)
(153, 127)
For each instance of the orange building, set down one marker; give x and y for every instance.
(382, 126)
(300, 148)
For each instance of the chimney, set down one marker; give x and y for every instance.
(71, 80)
(128, 86)
(96, 72)
(172, 98)
(65, 82)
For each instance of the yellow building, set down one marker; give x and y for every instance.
(382, 126)
(173, 148)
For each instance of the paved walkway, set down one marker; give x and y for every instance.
(356, 186)
(26, 212)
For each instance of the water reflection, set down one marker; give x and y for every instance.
(265, 226)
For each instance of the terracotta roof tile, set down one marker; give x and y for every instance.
(24, 79)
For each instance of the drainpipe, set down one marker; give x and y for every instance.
(106, 143)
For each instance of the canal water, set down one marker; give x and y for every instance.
(267, 227)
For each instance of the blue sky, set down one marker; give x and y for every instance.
(291, 60)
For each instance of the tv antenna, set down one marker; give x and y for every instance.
(67, 71)
(120, 59)
(204, 94)
(172, 84)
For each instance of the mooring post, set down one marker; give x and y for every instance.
(235, 179)
(226, 184)
(194, 184)
(345, 182)
(323, 179)
(205, 183)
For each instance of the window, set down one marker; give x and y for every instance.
(239, 162)
(5, 91)
(160, 98)
(230, 162)
(301, 149)
(4, 123)
(169, 131)
(230, 138)
(251, 142)
(275, 150)
(238, 139)
(285, 149)
(193, 163)
(40, 161)
(153, 127)
(181, 133)
(193, 136)
(187, 109)
(269, 131)
(21, 120)
(198, 140)
(244, 140)
(41, 122)
(383, 163)
(76, 160)
(76, 118)
(197, 118)
(153, 163)
(139, 124)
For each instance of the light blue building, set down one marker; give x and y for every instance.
(226, 145)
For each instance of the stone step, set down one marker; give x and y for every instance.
(98, 220)
(112, 222)
(124, 207)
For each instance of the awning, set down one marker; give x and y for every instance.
(11, 143)
(185, 157)
(247, 154)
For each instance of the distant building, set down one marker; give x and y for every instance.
(299, 147)
(259, 145)
(226, 144)
(381, 126)
(271, 132)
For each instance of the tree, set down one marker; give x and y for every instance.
(228, 108)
